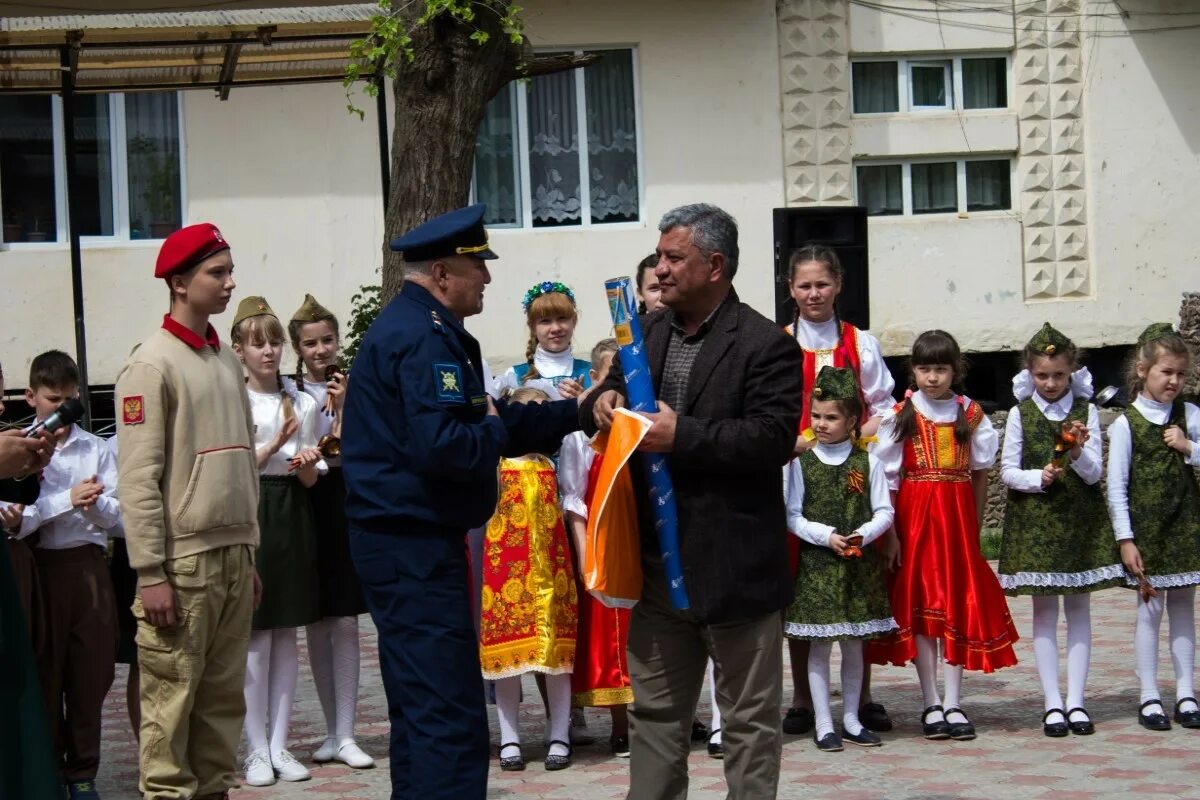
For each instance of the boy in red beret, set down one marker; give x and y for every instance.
(189, 503)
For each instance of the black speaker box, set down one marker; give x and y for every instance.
(842, 228)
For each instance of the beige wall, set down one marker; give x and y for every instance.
(293, 182)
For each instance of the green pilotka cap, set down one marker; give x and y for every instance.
(835, 383)
(252, 306)
(311, 311)
(1050, 341)
(1156, 330)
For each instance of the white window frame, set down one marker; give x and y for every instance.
(904, 64)
(947, 67)
(960, 162)
(120, 180)
(523, 184)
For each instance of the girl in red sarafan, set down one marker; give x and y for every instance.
(529, 603)
(937, 446)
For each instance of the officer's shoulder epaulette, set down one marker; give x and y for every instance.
(436, 320)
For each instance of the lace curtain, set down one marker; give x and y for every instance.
(554, 150)
(496, 167)
(612, 138)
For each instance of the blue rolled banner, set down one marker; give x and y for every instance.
(639, 390)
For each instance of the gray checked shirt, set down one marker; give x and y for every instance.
(682, 350)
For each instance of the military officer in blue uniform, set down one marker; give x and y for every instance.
(421, 443)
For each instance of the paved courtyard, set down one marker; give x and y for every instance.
(1011, 758)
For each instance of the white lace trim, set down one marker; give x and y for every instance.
(1175, 581)
(853, 630)
(1081, 384)
(1063, 579)
(516, 672)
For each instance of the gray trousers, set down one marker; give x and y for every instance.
(668, 653)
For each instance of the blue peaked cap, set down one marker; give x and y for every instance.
(459, 232)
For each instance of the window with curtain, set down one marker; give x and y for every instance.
(881, 189)
(935, 188)
(929, 83)
(985, 82)
(27, 188)
(580, 164)
(128, 167)
(989, 186)
(875, 87)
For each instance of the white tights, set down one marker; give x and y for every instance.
(715, 728)
(508, 712)
(272, 668)
(333, 655)
(1078, 611)
(819, 653)
(1181, 629)
(927, 669)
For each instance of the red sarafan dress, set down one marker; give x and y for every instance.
(944, 589)
(601, 675)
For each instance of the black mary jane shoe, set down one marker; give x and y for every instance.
(865, 738)
(1055, 730)
(874, 717)
(798, 721)
(699, 731)
(1082, 727)
(715, 749)
(935, 730)
(554, 762)
(512, 763)
(1187, 719)
(960, 731)
(1153, 722)
(829, 743)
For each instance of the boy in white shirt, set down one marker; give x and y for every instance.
(77, 507)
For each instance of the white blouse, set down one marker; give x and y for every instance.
(552, 367)
(1120, 454)
(574, 463)
(318, 391)
(1088, 466)
(876, 381)
(818, 533)
(267, 411)
(985, 441)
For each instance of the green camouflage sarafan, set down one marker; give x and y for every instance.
(1059, 541)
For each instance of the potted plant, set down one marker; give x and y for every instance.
(37, 234)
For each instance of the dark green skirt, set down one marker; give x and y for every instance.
(287, 555)
(341, 592)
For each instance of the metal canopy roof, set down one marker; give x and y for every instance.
(217, 50)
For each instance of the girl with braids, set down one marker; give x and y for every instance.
(1057, 540)
(333, 640)
(814, 281)
(1155, 508)
(285, 439)
(551, 315)
(648, 292)
(937, 446)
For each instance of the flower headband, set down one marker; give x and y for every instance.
(546, 287)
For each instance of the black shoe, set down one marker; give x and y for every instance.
(715, 749)
(863, 739)
(553, 762)
(1153, 722)
(619, 745)
(1083, 727)
(83, 790)
(874, 717)
(1055, 730)
(829, 743)
(699, 732)
(512, 763)
(1188, 719)
(960, 731)
(935, 730)
(798, 721)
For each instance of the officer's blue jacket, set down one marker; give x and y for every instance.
(417, 443)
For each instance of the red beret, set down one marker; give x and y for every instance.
(187, 247)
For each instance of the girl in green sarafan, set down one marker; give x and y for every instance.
(838, 503)
(1057, 540)
(1154, 503)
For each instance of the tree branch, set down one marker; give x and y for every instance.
(548, 65)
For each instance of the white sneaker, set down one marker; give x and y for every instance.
(326, 752)
(288, 768)
(258, 769)
(352, 755)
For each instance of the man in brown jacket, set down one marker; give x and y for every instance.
(189, 504)
(728, 386)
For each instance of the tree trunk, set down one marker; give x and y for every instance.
(440, 98)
